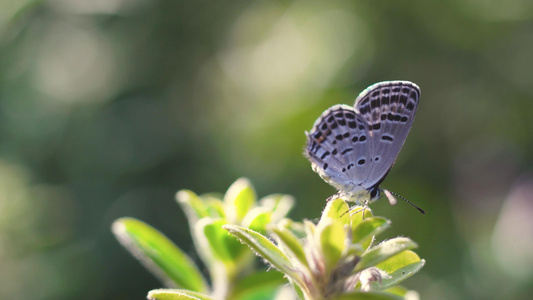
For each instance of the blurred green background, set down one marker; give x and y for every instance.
(108, 107)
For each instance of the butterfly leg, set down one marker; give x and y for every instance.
(358, 203)
(334, 196)
(357, 211)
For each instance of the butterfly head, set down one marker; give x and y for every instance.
(375, 193)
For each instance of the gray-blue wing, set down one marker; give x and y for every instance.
(389, 110)
(335, 146)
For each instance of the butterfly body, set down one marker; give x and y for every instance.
(354, 148)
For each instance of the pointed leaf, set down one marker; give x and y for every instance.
(400, 267)
(401, 274)
(332, 238)
(401, 260)
(278, 204)
(160, 255)
(263, 247)
(215, 205)
(239, 199)
(383, 251)
(297, 228)
(309, 228)
(292, 243)
(336, 209)
(192, 205)
(368, 228)
(223, 246)
(257, 219)
(169, 294)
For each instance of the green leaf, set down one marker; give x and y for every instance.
(264, 248)
(400, 267)
(383, 251)
(192, 205)
(223, 246)
(297, 228)
(239, 199)
(336, 209)
(358, 214)
(160, 255)
(168, 294)
(278, 204)
(309, 228)
(257, 219)
(368, 228)
(368, 296)
(292, 243)
(398, 261)
(259, 285)
(332, 238)
(214, 204)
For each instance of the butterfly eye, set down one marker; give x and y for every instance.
(374, 193)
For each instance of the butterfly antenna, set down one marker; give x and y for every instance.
(411, 203)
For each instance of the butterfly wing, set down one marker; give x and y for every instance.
(338, 138)
(389, 110)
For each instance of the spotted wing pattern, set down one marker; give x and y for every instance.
(389, 110)
(334, 143)
(354, 148)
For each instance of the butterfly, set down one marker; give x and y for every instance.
(354, 148)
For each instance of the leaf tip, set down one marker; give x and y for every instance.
(183, 196)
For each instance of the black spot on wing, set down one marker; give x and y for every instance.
(386, 99)
(346, 150)
(403, 99)
(387, 138)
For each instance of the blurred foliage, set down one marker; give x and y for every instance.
(107, 107)
(338, 258)
(233, 272)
